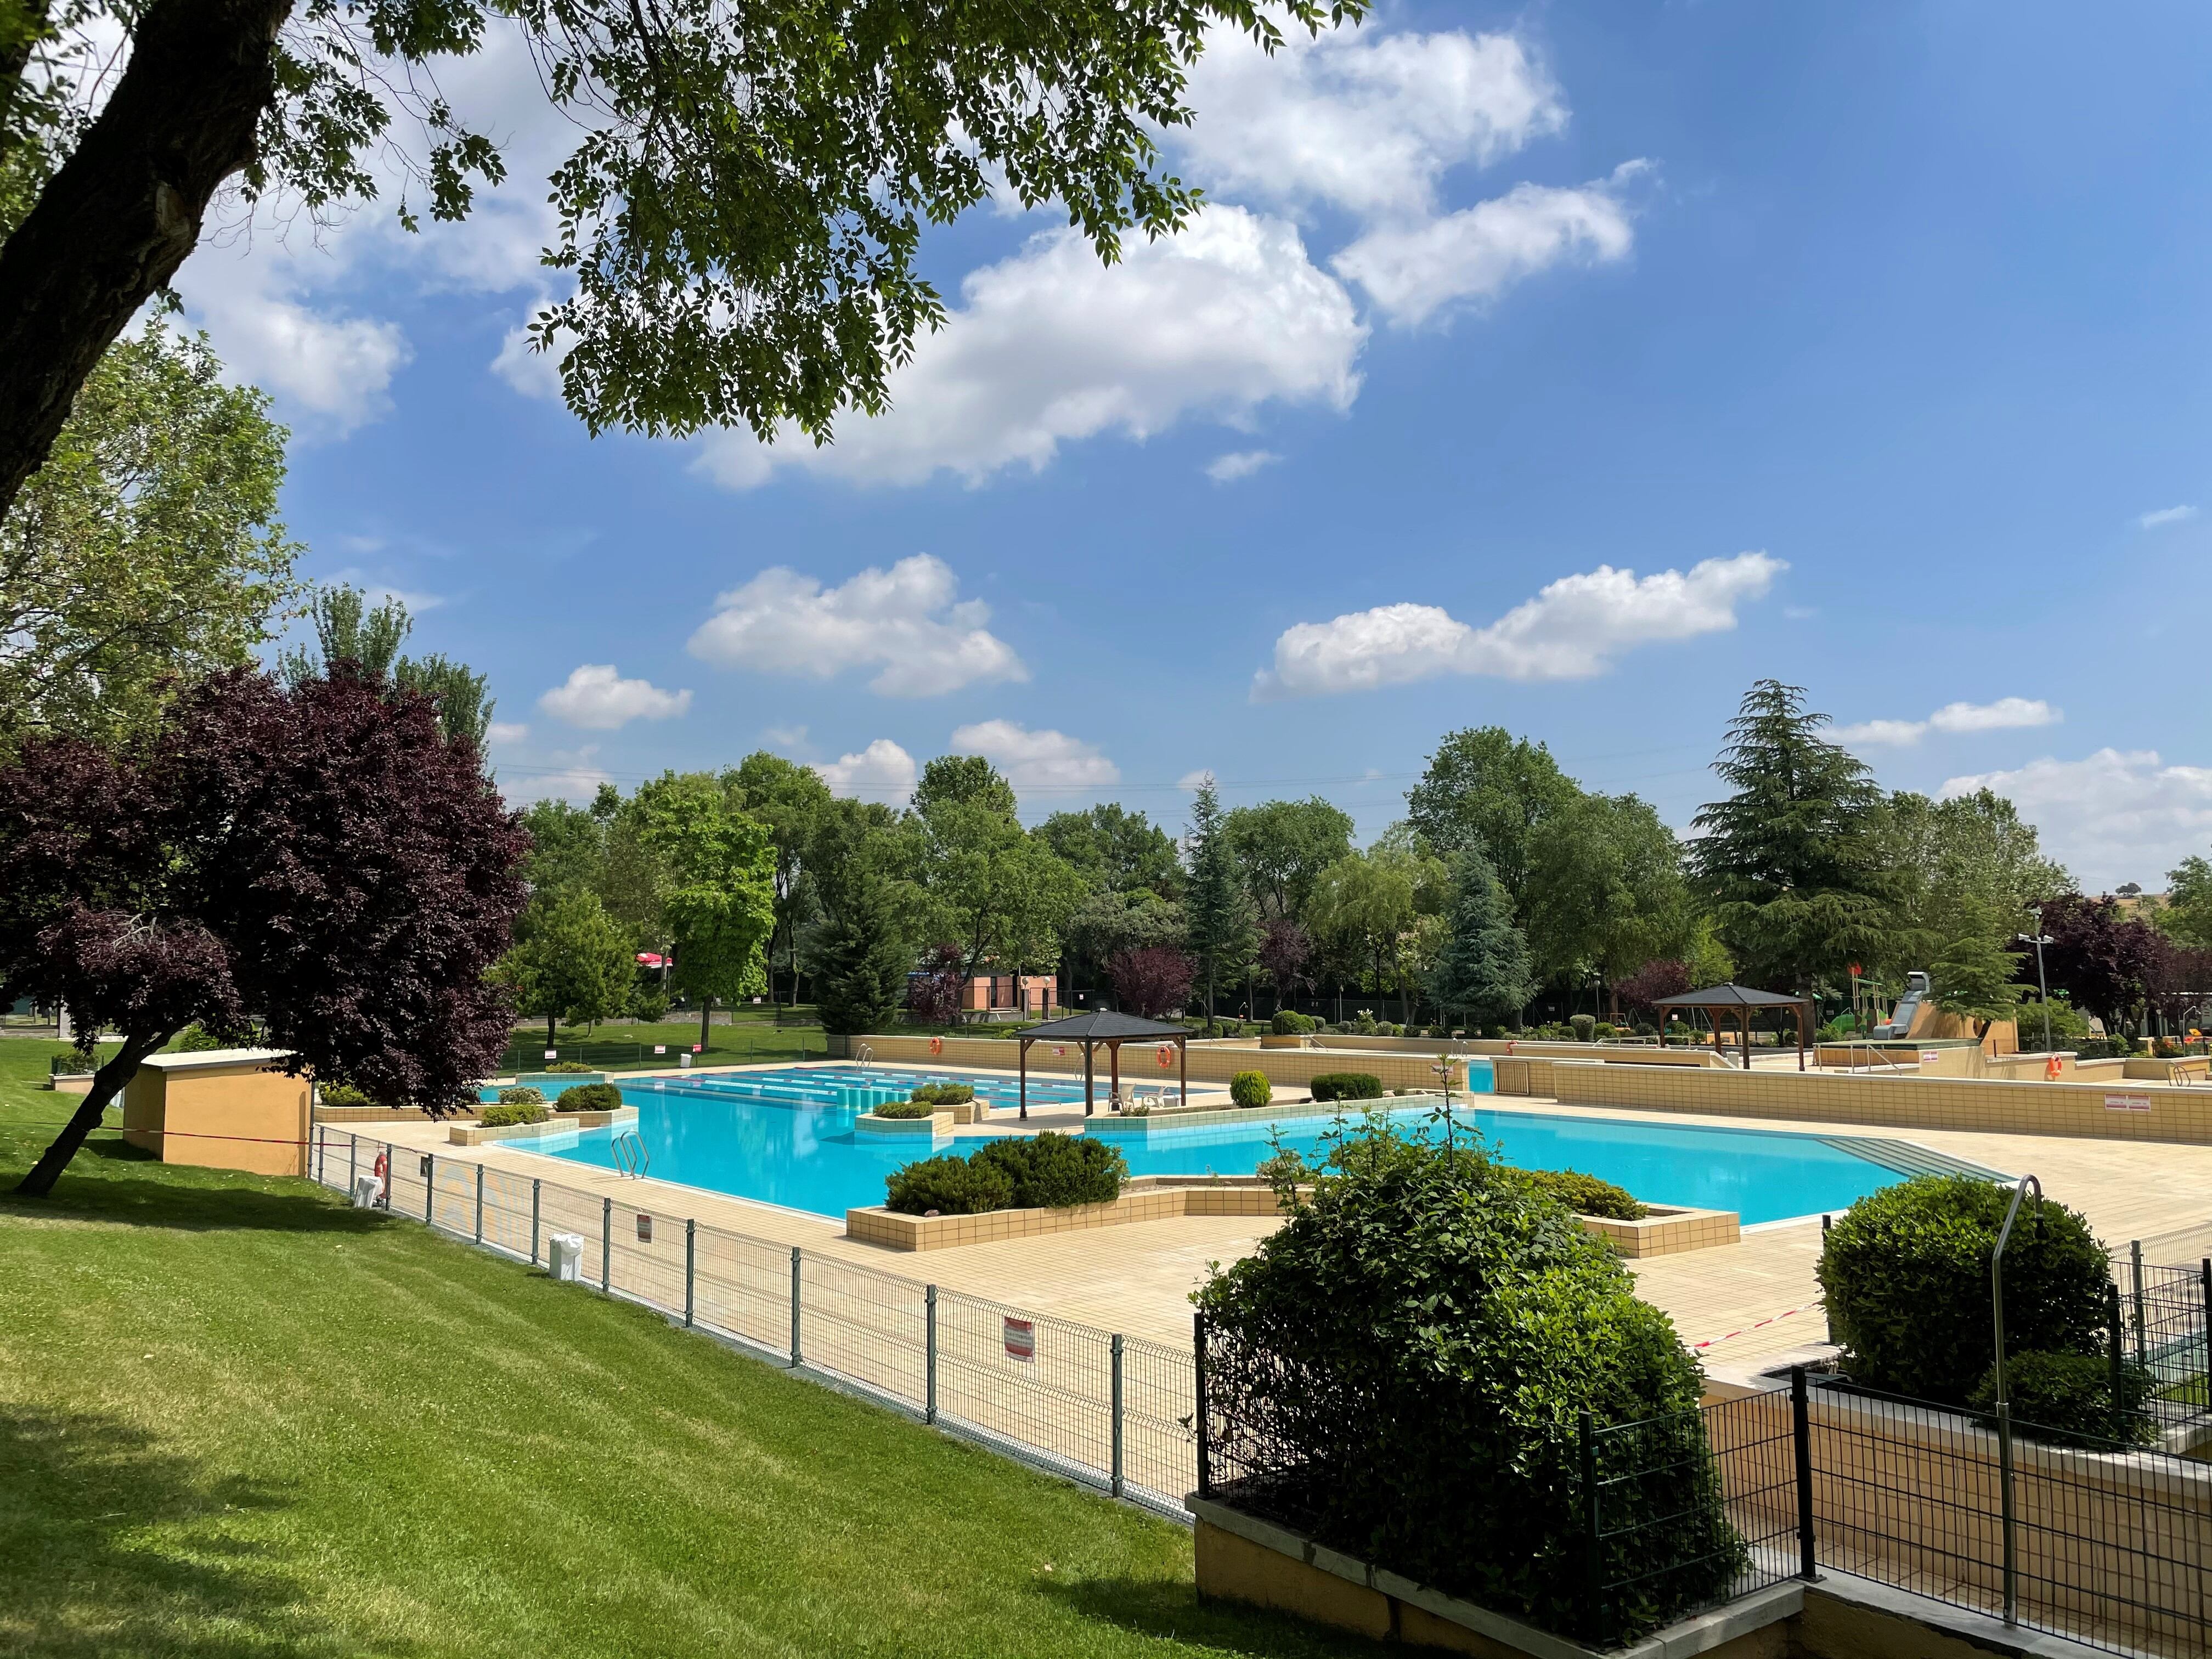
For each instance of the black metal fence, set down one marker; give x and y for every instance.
(729, 1046)
(2165, 1314)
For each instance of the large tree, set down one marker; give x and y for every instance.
(367, 639)
(859, 961)
(793, 802)
(1958, 863)
(1281, 849)
(1482, 972)
(1485, 788)
(2098, 955)
(148, 549)
(1216, 908)
(739, 219)
(316, 863)
(1605, 891)
(1115, 850)
(2187, 913)
(1383, 909)
(571, 961)
(1792, 862)
(719, 901)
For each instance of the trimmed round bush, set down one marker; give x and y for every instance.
(1052, 1170)
(344, 1094)
(1251, 1089)
(944, 1094)
(590, 1098)
(1905, 1273)
(1289, 1022)
(568, 1065)
(1585, 1194)
(523, 1094)
(2070, 1399)
(902, 1110)
(1348, 1086)
(1585, 1027)
(503, 1112)
(1399, 1369)
(949, 1186)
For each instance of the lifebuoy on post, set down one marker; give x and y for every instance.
(937, 1045)
(1167, 1054)
(2051, 1069)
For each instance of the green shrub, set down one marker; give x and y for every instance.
(902, 1110)
(1905, 1275)
(505, 1111)
(197, 1039)
(1052, 1172)
(1348, 1086)
(524, 1096)
(589, 1097)
(949, 1186)
(1287, 1022)
(1585, 1027)
(2069, 1398)
(1585, 1194)
(648, 1007)
(1251, 1089)
(344, 1095)
(1400, 1368)
(568, 1065)
(944, 1094)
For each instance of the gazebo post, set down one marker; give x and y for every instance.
(1089, 1049)
(1025, 1079)
(1113, 1068)
(1801, 1034)
(1182, 1069)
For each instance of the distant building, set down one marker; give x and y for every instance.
(1032, 993)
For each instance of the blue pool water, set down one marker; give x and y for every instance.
(783, 1142)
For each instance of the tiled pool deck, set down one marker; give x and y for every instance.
(1136, 1278)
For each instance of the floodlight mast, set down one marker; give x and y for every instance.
(2038, 938)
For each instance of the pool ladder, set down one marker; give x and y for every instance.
(631, 1159)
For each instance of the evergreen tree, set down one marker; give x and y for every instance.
(1220, 914)
(1792, 862)
(1482, 971)
(859, 965)
(1973, 975)
(571, 961)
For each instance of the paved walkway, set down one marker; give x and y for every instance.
(1738, 1303)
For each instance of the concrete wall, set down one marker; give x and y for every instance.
(222, 1109)
(2122, 1111)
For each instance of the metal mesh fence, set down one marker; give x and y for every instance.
(1113, 1411)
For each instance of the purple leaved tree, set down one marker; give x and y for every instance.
(1152, 981)
(317, 861)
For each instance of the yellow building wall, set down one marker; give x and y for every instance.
(227, 1117)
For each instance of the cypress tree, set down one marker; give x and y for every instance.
(1218, 914)
(1482, 970)
(859, 965)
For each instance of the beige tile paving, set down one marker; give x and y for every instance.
(1136, 1278)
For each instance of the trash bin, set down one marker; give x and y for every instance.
(564, 1257)
(368, 1191)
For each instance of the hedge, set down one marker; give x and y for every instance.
(569, 1066)
(904, 1109)
(589, 1097)
(1585, 1194)
(1348, 1086)
(2070, 1399)
(504, 1112)
(1020, 1172)
(944, 1094)
(949, 1186)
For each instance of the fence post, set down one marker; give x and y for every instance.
(1827, 1320)
(1800, 1434)
(2204, 1284)
(795, 1304)
(353, 1160)
(929, 1354)
(1202, 1416)
(2135, 1270)
(606, 1244)
(322, 1139)
(2114, 1354)
(479, 1203)
(1117, 1413)
(430, 1189)
(2011, 1528)
(690, 1267)
(535, 1186)
(1592, 1535)
(391, 1174)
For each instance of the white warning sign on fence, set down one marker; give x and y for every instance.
(2127, 1103)
(1021, 1339)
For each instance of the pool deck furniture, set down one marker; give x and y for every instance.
(1103, 1027)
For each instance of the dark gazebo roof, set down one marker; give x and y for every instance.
(1730, 996)
(1103, 1025)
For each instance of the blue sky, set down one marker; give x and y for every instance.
(1564, 367)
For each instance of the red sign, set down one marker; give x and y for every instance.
(555, 1054)
(645, 1229)
(662, 1048)
(1021, 1339)
(698, 1047)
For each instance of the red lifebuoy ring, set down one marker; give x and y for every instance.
(1167, 1054)
(937, 1045)
(382, 1168)
(2051, 1069)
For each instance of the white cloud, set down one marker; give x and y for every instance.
(1239, 464)
(2005, 715)
(1413, 271)
(2165, 515)
(597, 698)
(786, 737)
(2117, 815)
(533, 373)
(1051, 347)
(1573, 630)
(570, 774)
(1359, 119)
(330, 371)
(507, 732)
(882, 771)
(907, 619)
(1036, 760)
(1197, 780)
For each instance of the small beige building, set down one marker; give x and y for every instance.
(221, 1108)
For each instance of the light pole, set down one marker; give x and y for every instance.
(2038, 938)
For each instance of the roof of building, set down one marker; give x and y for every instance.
(1102, 1025)
(1731, 996)
(186, 1060)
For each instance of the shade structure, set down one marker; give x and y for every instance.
(1104, 1027)
(1738, 1001)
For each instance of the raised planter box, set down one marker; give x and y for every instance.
(549, 1083)
(936, 1125)
(1667, 1231)
(1147, 1198)
(557, 1123)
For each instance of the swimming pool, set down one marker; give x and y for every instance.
(805, 1154)
(854, 1088)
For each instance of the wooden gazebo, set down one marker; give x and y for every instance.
(1101, 1028)
(1741, 1001)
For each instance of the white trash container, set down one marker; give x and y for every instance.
(564, 1257)
(368, 1191)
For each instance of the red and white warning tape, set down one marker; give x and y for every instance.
(1714, 1342)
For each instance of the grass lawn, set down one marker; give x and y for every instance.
(752, 1035)
(239, 1419)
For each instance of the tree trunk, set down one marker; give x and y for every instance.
(111, 227)
(107, 1083)
(551, 1040)
(706, 1014)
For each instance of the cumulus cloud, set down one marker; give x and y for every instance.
(1240, 464)
(1359, 119)
(1036, 760)
(1573, 630)
(2165, 515)
(908, 620)
(1197, 780)
(2115, 816)
(507, 732)
(2005, 715)
(566, 774)
(882, 771)
(1413, 271)
(597, 698)
(1050, 347)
